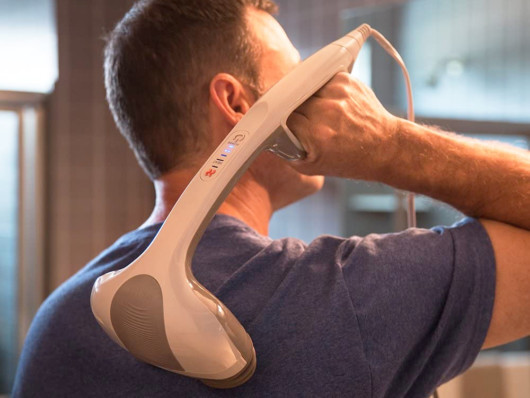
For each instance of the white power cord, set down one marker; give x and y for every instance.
(411, 211)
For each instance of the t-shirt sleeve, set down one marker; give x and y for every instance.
(423, 300)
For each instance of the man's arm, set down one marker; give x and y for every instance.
(511, 309)
(348, 133)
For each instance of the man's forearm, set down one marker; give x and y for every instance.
(480, 179)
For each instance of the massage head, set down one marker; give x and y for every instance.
(174, 323)
(154, 308)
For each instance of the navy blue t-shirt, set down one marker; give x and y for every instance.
(381, 316)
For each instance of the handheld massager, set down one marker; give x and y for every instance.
(154, 307)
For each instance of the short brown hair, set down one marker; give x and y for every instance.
(159, 60)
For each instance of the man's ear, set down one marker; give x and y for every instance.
(230, 97)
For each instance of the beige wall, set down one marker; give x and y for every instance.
(96, 191)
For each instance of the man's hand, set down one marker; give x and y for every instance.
(344, 120)
(348, 133)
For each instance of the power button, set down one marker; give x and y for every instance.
(238, 137)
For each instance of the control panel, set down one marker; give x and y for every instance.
(222, 157)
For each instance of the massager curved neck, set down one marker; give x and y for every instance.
(154, 307)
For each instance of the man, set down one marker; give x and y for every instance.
(381, 316)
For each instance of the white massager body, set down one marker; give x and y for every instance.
(154, 307)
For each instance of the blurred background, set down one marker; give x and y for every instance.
(69, 186)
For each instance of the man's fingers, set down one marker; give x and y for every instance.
(302, 127)
(341, 87)
(336, 87)
(310, 105)
(298, 121)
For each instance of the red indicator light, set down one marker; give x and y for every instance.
(209, 173)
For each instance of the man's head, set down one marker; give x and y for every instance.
(159, 61)
(176, 70)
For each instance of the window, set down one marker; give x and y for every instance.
(28, 48)
(21, 224)
(9, 126)
(28, 44)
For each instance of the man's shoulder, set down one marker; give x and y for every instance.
(131, 244)
(73, 295)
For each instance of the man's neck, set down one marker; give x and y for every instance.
(249, 201)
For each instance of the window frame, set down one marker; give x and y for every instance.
(29, 108)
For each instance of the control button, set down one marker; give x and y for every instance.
(238, 138)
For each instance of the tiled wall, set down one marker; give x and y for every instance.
(310, 24)
(96, 190)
